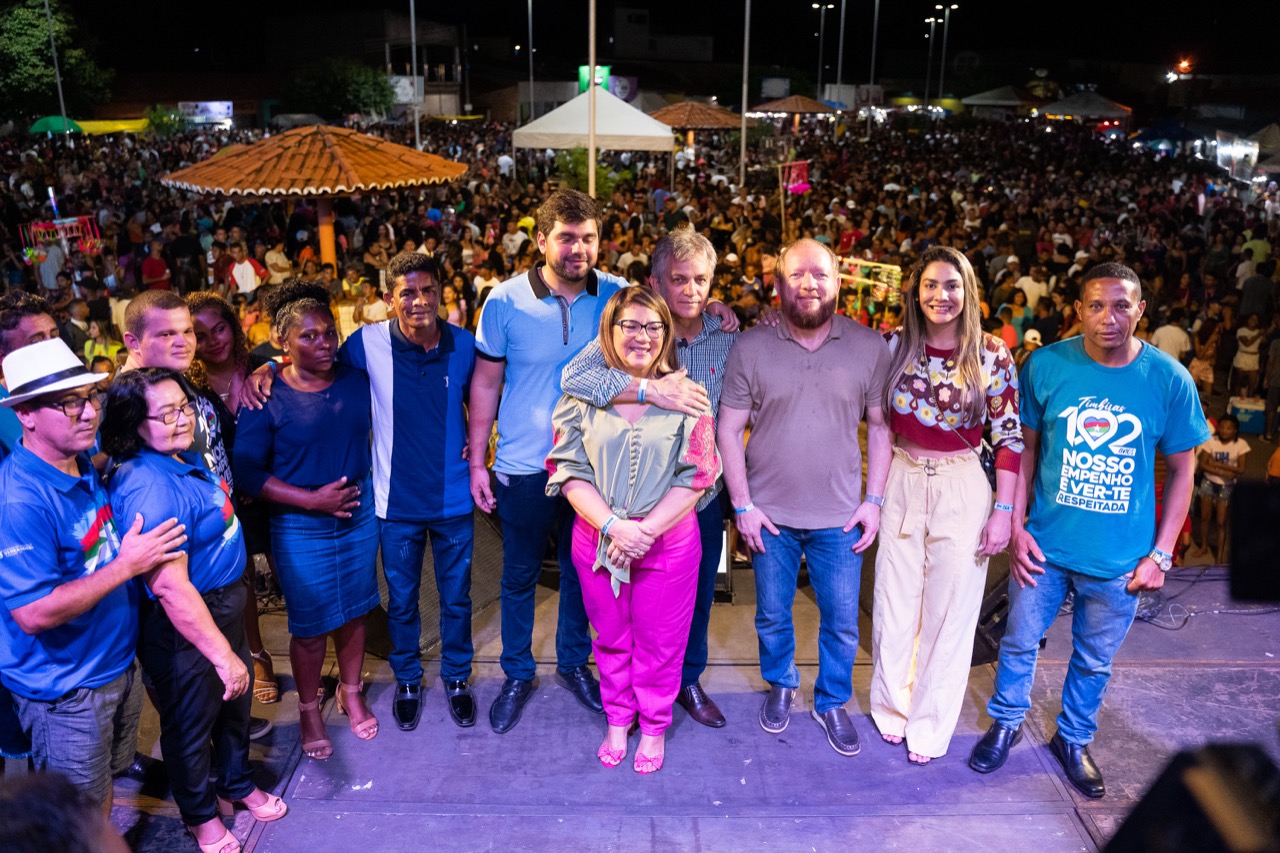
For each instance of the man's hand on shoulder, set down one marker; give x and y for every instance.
(141, 552)
(728, 320)
(676, 392)
(256, 388)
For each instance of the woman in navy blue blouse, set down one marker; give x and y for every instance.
(307, 451)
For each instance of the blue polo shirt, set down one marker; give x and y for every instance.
(419, 419)
(535, 333)
(161, 487)
(55, 529)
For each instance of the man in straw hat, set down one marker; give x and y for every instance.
(68, 627)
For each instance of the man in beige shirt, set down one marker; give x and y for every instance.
(796, 489)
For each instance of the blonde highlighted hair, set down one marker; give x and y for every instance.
(667, 361)
(968, 353)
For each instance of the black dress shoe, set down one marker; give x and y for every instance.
(504, 713)
(992, 751)
(775, 713)
(841, 734)
(406, 707)
(583, 685)
(701, 707)
(1081, 771)
(462, 705)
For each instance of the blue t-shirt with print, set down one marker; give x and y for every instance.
(1093, 502)
(161, 487)
(55, 529)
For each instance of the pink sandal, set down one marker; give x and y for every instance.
(273, 809)
(367, 730)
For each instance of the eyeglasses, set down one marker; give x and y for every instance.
(170, 417)
(74, 407)
(633, 327)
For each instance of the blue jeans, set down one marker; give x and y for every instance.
(403, 546)
(528, 518)
(711, 530)
(1101, 616)
(835, 573)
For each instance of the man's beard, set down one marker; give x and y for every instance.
(561, 269)
(809, 319)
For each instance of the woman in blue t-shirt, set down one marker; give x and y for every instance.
(148, 429)
(307, 451)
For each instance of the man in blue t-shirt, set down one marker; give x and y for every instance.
(68, 627)
(1095, 411)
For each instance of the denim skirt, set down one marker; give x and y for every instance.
(326, 565)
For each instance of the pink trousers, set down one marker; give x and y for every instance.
(641, 633)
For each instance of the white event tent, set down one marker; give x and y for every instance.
(619, 127)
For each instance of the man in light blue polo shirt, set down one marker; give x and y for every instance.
(532, 325)
(68, 627)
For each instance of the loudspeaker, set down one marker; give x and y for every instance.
(1255, 541)
(1224, 798)
(992, 615)
(486, 587)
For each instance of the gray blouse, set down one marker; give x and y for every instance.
(632, 466)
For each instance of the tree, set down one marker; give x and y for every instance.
(340, 87)
(571, 169)
(165, 121)
(26, 65)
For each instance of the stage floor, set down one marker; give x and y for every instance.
(540, 787)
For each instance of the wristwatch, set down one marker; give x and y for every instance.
(1161, 559)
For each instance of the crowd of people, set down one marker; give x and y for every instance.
(646, 364)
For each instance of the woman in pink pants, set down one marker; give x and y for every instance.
(633, 473)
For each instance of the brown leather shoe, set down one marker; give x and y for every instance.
(701, 707)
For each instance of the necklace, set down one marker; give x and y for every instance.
(227, 386)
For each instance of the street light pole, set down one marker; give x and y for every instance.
(417, 98)
(530, 47)
(875, 33)
(57, 74)
(928, 66)
(822, 28)
(946, 28)
(840, 54)
(742, 130)
(591, 98)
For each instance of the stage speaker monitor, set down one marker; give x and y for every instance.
(994, 613)
(1223, 798)
(1255, 541)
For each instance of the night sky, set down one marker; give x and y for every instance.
(1219, 37)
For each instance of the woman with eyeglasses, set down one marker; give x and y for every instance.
(307, 452)
(148, 429)
(633, 473)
